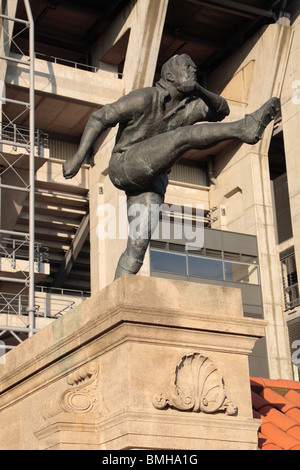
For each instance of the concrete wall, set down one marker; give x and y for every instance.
(145, 19)
(243, 188)
(242, 191)
(291, 128)
(267, 65)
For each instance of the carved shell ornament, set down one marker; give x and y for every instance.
(198, 387)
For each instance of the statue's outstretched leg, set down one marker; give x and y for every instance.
(157, 154)
(147, 160)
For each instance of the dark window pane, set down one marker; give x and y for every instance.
(205, 267)
(168, 262)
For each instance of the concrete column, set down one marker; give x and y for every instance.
(7, 8)
(291, 133)
(243, 188)
(145, 19)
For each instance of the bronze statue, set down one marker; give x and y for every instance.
(157, 125)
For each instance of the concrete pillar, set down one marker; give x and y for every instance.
(145, 20)
(7, 8)
(243, 188)
(291, 133)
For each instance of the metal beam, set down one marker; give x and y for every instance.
(18, 329)
(225, 9)
(81, 7)
(13, 279)
(14, 188)
(17, 61)
(178, 34)
(18, 20)
(73, 252)
(247, 8)
(11, 232)
(236, 8)
(31, 303)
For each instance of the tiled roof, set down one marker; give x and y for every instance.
(277, 404)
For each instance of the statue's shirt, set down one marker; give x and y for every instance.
(144, 113)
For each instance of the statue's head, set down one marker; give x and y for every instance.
(179, 69)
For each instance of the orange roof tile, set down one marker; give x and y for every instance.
(277, 404)
(264, 443)
(279, 437)
(293, 397)
(278, 383)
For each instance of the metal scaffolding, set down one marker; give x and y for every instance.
(12, 152)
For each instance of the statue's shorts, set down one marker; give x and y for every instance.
(131, 184)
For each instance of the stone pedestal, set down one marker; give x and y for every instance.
(146, 363)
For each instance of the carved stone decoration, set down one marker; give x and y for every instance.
(78, 399)
(198, 387)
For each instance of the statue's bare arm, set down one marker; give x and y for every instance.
(105, 118)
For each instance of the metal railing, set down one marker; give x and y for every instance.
(68, 63)
(73, 64)
(290, 282)
(19, 135)
(63, 291)
(14, 250)
(25, 109)
(15, 304)
(291, 297)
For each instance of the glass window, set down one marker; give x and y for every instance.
(168, 262)
(239, 272)
(205, 267)
(198, 264)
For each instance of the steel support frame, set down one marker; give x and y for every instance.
(237, 8)
(73, 252)
(241, 7)
(29, 329)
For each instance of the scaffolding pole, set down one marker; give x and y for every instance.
(31, 304)
(30, 328)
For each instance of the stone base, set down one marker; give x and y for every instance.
(146, 363)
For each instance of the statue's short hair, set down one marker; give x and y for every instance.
(169, 66)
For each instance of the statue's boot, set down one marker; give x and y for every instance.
(256, 123)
